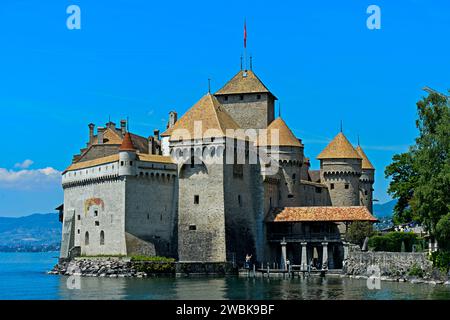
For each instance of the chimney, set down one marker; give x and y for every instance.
(91, 133)
(156, 134)
(151, 144)
(100, 131)
(173, 117)
(123, 126)
(111, 125)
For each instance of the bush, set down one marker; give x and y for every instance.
(392, 241)
(415, 271)
(443, 232)
(152, 258)
(441, 260)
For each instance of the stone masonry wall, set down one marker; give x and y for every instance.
(391, 264)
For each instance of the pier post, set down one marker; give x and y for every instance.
(283, 254)
(324, 255)
(346, 249)
(304, 262)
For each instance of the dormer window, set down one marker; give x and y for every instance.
(225, 98)
(241, 97)
(258, 97)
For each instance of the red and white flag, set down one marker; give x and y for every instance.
(245, 34)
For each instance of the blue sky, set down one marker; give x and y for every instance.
(140, 59)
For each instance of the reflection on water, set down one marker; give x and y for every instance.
(23, 276)
(328, 288)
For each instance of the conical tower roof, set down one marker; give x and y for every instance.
(285, 135)
(245, 81)
(366, 164)
(339, 148)
(127, 144)
(207, 112)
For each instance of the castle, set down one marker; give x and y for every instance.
(194, 194)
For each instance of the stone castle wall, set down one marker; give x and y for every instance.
(251, 112)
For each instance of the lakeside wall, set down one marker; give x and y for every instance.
(391, 264)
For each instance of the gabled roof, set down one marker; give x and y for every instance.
(244, 82)
(93, 163)
(331, 214)
(112, 136)
(339, 148)
(209, 113)
(366, 164)
(285, 135)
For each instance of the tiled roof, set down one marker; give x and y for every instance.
(127, 144)
(209, 113)
(366, 164)
(332, 214)
(111, 136)
(339, 148)
(285, 135)
(243, 82)
(93, 163)
(155, 158)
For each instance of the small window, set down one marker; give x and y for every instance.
(258, 96)
(96, 213)
(196, 199)
(332, 186)
(86, 238)
(192, 227)
(241, 97)
(78, 217)
(97, 223)
(225, 98)
(293, 177)
(121, 163)
(346, 186)
(290, 196)
(239, 200)
(131, 163)
(318, 190)
(102, 238)
(78, 231)
(365, 192)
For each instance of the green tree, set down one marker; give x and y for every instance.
(443, 232)
(358, 231)
(421, 176)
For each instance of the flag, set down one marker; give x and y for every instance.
(245, 34)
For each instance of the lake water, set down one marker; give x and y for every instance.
(23, 276)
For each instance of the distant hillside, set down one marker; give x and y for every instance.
(37, 232)
(385, 209)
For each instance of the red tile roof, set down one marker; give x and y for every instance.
(336, 214)
(127, 144)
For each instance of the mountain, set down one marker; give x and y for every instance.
(36, 232)
(384, 209)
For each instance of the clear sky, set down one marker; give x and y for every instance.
(141, 59)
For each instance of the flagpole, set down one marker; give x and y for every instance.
(245, 45)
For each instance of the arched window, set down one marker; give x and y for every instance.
(102, 238)
(86, 238)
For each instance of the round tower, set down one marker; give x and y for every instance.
(340, 170)
(127, 157)
(282, 146)
(366, 180)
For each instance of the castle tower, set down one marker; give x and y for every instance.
(283, 146)
(127, 157)
(247, 100)
(215, 208)
(366, 180)
(340, 170)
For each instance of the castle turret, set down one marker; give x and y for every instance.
(340, 170)
(127, 157)
(366, 180)
(283, 146)
(247, 100)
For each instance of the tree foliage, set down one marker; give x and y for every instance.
(421, 176)
(358, 231)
